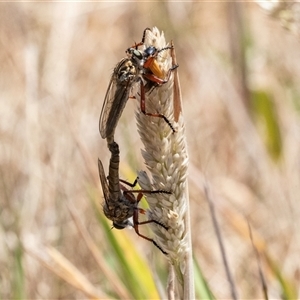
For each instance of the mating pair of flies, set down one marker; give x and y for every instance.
(138, 67)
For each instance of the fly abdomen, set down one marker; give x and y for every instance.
(113, 173)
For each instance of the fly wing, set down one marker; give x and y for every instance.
(103, 181)
(177, 98)
(114, 102)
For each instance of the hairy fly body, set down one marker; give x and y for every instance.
(138, 67)
(123, 77)
(120, 204)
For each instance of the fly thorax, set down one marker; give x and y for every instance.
(127, 73)
(120, 210)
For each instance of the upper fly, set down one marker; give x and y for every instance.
(123, 77)
(139, 66)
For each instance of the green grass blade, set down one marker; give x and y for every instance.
(131, 267)
(201, 286)
(288, 289)
(18, 284)
(265, 113)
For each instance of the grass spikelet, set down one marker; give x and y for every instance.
(166, 157)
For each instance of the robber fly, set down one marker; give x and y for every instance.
(120, 203)
(138, 66)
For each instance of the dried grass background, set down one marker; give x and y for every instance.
(56, 62)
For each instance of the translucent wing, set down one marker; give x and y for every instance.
(103, 181)
(116, 97)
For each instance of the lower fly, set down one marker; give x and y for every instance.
(120, 203)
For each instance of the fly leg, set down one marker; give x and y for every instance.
(132, 185)
(136, 45)
(143, 107)
(136, 224)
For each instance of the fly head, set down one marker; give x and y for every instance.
(122, 224)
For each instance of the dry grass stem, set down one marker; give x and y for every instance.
(166, 157)
(63, 268)
(211, 204)
(259, 265)
(100, 260)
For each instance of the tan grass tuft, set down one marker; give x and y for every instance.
(165, 154)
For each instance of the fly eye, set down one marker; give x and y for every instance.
(138, 54)
(118, 226)
(121, 225)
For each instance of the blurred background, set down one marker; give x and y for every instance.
(239, 66)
